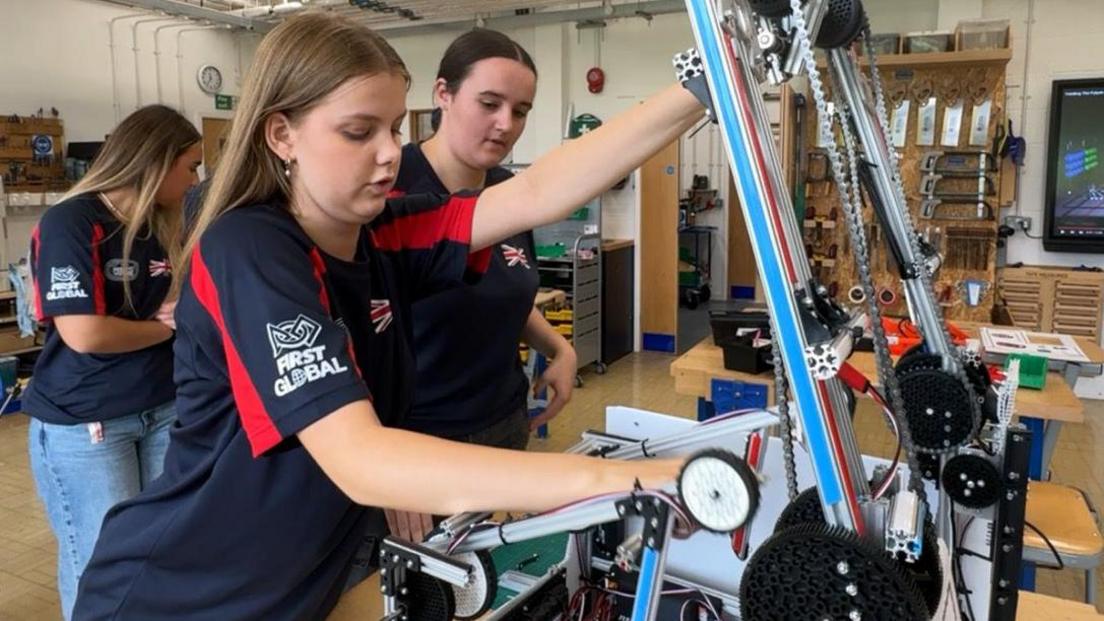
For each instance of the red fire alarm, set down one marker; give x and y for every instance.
(596, 79)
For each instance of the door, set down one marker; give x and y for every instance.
(659, 194)
(215, 132)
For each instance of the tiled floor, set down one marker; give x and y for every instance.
(27, 551)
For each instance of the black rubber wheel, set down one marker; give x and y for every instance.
(971, 481)
(578, 381)
(429, 599)
(600, 368)
(704, 293)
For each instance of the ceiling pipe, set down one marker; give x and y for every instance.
(134, 48)
(617, 11)
(184, 9)
(157, 54)
(111, 46)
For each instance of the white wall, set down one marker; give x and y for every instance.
(56, 54)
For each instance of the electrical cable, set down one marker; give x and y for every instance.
(1046, 540)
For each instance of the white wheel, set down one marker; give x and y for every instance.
(719, 490)
(476, 598)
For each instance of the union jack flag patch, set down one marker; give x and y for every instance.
(514, 256)
(160, 268)
(381, 315)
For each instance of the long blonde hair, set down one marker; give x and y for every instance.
(296, 66)
(138, 155)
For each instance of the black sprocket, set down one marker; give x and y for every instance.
(940, 416)
(972, 481)
(815, 571)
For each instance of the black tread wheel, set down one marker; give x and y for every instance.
(814, 571)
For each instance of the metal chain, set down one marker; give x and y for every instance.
(851, 199)
(781, 399)
(914, 239)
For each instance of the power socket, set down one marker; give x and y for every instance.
(1019, 223)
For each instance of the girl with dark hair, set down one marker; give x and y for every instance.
(101, 401)
(471, 386)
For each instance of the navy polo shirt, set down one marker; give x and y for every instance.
(272, 335)
(466, 339)
(78, 269)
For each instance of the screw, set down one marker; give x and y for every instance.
(383, 571)
(639, 506)
(855, 615)
(966, 493)
(981, 483)
(404, 590)
(1003, 583)
(383, 590)
(621, 510)
(947, 415)
(1010, 495)
(651, 542)
(962, 477)
(1002, 600)
(410, 564)
(1013, 476)
(929, 411)
(395, 558)
(970, 484)
(1007, 547)
(655, 522)
(852, 590)
(842, 568)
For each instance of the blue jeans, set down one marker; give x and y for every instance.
(81, 471)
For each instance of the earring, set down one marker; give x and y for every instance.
(287, 167)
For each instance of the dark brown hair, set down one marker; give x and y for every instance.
(470, 48)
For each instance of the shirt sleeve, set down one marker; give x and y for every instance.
(66, 264)
(430, 237)
(288, 362)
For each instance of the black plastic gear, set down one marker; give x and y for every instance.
(926, 571)
(972, 481)
(816, 571)
(805, 509)
(940, 415)
(428, 599)
(843, 23)
(742, 470)
(770, 8)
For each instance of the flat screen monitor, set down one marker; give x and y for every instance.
(1074, 209)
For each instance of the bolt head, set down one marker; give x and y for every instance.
(852, 589)
(404, 591)
(855, 615)
(842, 568)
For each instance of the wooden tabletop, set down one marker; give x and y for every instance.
(360, 603)
(1033, 607)
(694, 370)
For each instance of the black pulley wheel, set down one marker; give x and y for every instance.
(770, 8)
(843, 22)
(971, 481)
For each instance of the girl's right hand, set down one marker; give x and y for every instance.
(166, 315)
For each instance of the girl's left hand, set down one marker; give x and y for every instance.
(560, 377)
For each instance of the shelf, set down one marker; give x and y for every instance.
(938, 59)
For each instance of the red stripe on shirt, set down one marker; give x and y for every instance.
(97, 271)
(319, 273)
(36, 244)
(452, 221)
(259, 426)
(396, 193)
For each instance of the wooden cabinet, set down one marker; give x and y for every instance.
(618, 298)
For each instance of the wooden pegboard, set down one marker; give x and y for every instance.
(967, 245)
(32, 154)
